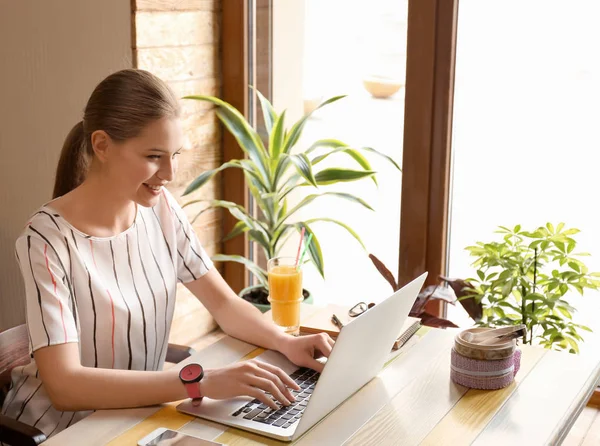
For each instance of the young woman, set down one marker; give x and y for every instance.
(100, 264)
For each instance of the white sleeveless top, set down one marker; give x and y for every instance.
(114, 296)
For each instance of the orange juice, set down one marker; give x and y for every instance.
(285, 295)
(286, 313)
(285, 283)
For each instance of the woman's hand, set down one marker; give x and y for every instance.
(249, 378)
(304, 350)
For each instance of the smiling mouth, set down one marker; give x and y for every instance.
(153, 187)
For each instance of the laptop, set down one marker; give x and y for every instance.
(361, 349)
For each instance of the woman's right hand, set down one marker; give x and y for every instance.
(249, 378)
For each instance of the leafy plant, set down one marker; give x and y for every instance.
(272, 172)
(525, 278)
(431, 293)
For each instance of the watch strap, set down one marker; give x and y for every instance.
(193, 391)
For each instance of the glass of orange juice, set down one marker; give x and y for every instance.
(285, 292)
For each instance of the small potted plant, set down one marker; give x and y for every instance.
(272, 172)
(525, 278)
(433, 293)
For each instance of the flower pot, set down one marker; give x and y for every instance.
(257, 295)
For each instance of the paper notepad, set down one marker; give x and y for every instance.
(320, 322)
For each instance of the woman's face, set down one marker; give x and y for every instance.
(139, 167)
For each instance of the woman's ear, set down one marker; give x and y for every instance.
(101, 143)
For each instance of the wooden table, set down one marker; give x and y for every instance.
(412, 401)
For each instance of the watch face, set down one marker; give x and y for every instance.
(191, 373)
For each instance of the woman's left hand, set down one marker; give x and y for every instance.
(304, 350)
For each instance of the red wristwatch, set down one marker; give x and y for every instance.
(190, 375)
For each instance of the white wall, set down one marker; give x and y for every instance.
(52, 54)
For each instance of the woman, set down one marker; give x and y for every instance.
(100, 264)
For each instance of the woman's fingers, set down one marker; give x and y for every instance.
(283, 377)
(330, 341)
(325, 344)
(274, 379)
(268, 386)
(260, 395)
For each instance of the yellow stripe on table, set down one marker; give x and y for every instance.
(253, 354)
(167, 417)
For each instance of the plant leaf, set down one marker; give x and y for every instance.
(204, 177)
(260, 273)
(355, 154)
(433, 321)
(387, 275)
(314, 248)
(343, 225)
(296, 130)
(336, 175)
(282, 164)
(246, 136)
(304, 167)
(268, 111)
(276, 139)
(389, 158)
(333, 143)
(309, 198)
(239, 213)
(239, 228)
(249, 141)
(260, 238)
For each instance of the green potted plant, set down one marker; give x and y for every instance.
(525, 278)
(272, 172)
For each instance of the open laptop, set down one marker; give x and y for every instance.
(358, 355)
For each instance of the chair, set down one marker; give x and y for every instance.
(14, 351)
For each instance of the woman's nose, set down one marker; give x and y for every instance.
(167, 171)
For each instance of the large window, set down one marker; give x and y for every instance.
(526, 147)
(319, 50)
(301, 51)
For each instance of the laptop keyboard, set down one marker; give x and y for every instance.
(285, 416)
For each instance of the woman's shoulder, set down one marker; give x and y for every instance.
(43, 224)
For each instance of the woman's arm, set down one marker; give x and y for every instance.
(72, 387)
(242, 320)
(235, 316)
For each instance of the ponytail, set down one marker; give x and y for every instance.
(73, 163)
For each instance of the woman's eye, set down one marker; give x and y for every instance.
(157, 157)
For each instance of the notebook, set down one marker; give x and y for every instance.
(321, 322)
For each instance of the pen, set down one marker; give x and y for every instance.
(337, 322)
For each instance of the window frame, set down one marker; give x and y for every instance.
(431, 46)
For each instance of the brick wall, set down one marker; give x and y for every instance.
(179, 41)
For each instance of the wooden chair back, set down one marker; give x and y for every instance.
(14, 351)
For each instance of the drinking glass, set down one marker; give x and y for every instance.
(285, 292)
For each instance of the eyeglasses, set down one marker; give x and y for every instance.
(355, 311)
(360, 308)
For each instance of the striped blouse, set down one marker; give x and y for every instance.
(114, 296)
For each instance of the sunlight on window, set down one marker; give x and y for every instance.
(344, 44)
(526, 147)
